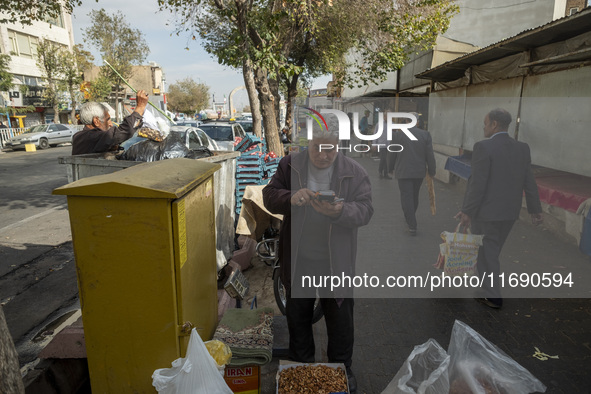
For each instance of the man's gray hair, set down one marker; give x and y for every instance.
(90, 110)
(322, 132)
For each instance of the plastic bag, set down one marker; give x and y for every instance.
(479, 367)
(423, 372)
(221, 353)
(459, 254)
(196, 373)
(171, 147)
(155, 120)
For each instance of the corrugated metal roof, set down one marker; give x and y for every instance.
(555, 31)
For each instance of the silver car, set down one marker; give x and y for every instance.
(224, 133)
(43, 136)
(193, 137)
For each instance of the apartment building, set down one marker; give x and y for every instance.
(20, 42)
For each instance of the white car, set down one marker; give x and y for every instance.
(194, 138)
(224, 133)
(43, 136)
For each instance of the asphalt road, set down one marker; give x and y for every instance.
(37, 270)
(27, 180)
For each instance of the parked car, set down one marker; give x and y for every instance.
(43, 136)
(246, 125)
(193, 137)
(223, 133)
(191, 123)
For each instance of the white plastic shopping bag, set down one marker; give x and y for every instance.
(197, 373)
(423, 372)
(459, 253)
(478, 366)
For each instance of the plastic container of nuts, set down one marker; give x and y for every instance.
(317, 378)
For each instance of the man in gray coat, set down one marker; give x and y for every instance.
(411, 165)
(501, 172)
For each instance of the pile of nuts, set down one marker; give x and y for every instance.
(316, 379)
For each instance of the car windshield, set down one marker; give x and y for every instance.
(247, 126)
(36, 129)
(219, 133)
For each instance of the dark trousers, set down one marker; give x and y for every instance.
(339, 327)
(409, 198)
(383, 168)
(495, 235)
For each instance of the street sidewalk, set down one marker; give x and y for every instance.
(387, 329)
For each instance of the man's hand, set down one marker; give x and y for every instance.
(536, 219)
(464, 219)
(326, 208)
(141, 100)
(302, 197)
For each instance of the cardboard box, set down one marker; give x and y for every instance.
(243, 380)
(284, 364)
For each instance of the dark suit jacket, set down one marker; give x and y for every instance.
(501, 172)
(417, 157)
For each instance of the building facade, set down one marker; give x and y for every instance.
(150, 78)
(20, 42)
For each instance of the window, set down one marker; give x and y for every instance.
(203, 137)
(31, 81)
(573, 10)
(194, 142)
(23, 44)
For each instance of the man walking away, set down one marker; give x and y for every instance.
(501, 172)
(411, 165)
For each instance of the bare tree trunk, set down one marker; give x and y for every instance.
(55, 106)
(253, 99)
(10, 374)
(292, 92)
(73, 112)
(267, 100)
(274, 87)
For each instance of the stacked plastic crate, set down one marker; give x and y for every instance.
(249, 166)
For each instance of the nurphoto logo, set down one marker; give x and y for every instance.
(344, 131)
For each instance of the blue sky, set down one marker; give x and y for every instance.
(167, 49)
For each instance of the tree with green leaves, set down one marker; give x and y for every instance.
(49, 56)
(357, 41)
(187, 96)
(73, 65)
(27, 11)
(5, 75)
(119, 44)
(99, 89)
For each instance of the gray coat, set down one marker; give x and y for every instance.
(349, 181)
(417, 157)
(501, 172)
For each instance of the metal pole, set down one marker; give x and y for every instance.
(135, 91)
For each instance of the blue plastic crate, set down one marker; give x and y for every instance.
(248, 141)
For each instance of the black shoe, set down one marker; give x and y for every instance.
(387, 177)
(381, 176)
(352, 381)
(490, 302)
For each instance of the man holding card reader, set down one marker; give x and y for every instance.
(324, 198)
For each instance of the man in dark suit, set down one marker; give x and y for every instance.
(501, 172)
(411, 165)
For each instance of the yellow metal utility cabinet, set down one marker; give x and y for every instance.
(144, 241)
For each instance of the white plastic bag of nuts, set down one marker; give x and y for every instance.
(318, 378)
